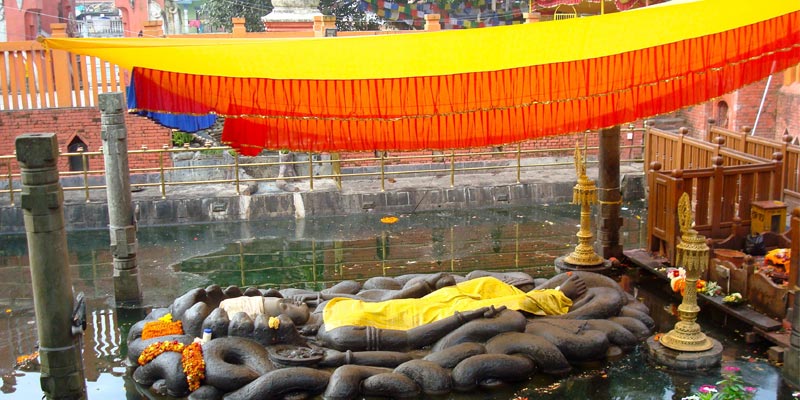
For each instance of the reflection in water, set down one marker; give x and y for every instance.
(314, 254)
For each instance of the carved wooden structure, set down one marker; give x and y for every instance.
(723, 181)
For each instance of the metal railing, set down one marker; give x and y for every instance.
(380, 166)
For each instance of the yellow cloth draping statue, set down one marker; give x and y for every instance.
(404, 314)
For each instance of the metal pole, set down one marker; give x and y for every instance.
(452, 168)
(164, 149)
(310, 171)
(608, 194)
(763, 99)
(122, 225)
(85, 167)
(235, 170)
(42, 202)
(383, 180)
(10, 183)
(519, 161)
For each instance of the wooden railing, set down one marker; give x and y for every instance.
(723, 176)
(681, 151)
(721, 198)
(32, 77)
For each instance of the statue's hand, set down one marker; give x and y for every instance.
(493, 312)
(483, 312)
(305, 297)
(309, 330)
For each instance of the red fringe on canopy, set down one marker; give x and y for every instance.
(480, 108)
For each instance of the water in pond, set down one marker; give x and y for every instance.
(315, 253)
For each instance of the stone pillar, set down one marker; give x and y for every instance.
(323, 23)
(432, 22)
(153, 28)
(608, 194)
(122, 226)
(291, 15)
(42, 202)
(532, 17)
(791, 360)
(238, 27)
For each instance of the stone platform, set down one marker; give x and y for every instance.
(684, 360)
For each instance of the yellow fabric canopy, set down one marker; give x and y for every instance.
(432, 53)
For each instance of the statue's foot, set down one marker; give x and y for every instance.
(574, 287)
(437, 281)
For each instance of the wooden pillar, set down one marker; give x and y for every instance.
(791, 361)
(153, 29)
(678, 163)
(608, 193)
(63, 87)
(432, 22)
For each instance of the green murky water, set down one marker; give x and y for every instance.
(314, 253)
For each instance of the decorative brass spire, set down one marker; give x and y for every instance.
(692, 255)
(585, 194)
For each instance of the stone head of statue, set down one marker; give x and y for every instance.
(296, 310)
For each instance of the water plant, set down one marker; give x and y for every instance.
(731, 387)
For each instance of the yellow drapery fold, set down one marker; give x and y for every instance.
(404, 314)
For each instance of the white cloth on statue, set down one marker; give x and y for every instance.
(252, 306)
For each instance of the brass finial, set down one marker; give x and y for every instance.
(585, 194)
(692, 255)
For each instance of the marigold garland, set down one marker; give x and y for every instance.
(27, 358)
(191, 359)
(154, 350)
(158, 328)
(193, 365)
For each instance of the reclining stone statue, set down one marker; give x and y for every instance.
(358, 340)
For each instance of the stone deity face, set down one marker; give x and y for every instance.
(296, 310)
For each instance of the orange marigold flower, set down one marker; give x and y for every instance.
(158, 328)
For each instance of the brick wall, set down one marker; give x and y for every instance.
(742, 107)
(67, 123)
(788, 105)
(84, 123)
